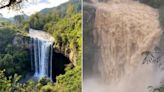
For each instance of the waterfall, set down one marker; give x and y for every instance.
(41, 53)
(121, 33)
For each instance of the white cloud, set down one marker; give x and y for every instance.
(32, 7)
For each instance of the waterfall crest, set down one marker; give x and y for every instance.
(41, 53)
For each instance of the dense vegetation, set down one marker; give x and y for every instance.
(64, 23)
(13, 58)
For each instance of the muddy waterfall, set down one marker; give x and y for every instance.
(128, 47)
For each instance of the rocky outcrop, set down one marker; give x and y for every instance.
(89, 48)
(72, 54)
(21, 41)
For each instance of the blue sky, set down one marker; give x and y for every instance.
(32, 7)
(43, 1)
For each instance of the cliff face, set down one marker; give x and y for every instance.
(89, 48)
(11, 38)
(21, 41)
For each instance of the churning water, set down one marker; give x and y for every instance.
(122, 33)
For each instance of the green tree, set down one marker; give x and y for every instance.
(69, 82)
(70, 10)
(19, 19)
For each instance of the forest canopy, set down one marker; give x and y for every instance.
(64, 23)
